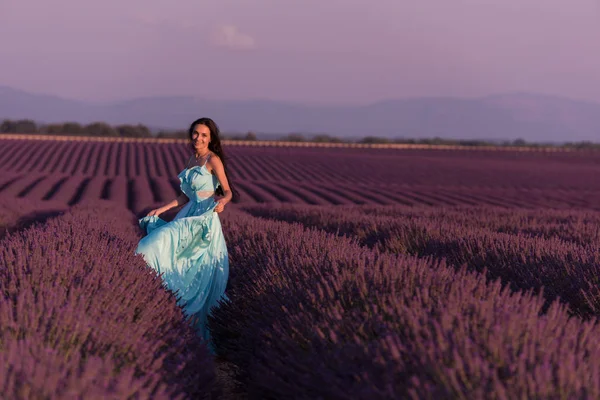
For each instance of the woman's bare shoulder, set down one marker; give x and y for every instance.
(214, 158)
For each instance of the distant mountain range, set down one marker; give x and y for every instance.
(533, 117)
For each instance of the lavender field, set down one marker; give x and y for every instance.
(137, 175)
(355, 274)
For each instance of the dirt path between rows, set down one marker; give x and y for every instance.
(232, 390)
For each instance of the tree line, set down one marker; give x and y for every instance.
(27, 126)
(74, 128)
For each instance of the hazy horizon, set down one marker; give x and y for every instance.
(326, 52)
(298, 102)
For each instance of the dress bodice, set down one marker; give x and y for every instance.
(198, 183)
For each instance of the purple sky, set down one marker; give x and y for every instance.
(317, 51)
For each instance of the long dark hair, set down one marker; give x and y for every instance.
(215, 146)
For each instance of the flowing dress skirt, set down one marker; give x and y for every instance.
(191, 254)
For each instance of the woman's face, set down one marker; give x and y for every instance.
(201, 138)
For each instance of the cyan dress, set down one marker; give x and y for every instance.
(190, 251)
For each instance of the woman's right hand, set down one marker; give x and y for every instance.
(156, 212)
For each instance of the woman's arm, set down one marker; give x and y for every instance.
(179, 201)
(219, 171)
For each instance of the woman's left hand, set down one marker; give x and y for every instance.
(220, 205)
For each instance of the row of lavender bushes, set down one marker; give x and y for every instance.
(580, 226)
(371, 223)
(19, 213)
(81, 316)
(556, 250)
(312, 315)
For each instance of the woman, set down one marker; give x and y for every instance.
(190, 251)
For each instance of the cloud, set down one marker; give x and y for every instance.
(228, 36)
(154, 21)
(145, 18)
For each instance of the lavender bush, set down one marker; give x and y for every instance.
(529, 257)
(314, 316)
(85, 317)
(18, 213)
(579, 226)
(574, 225)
